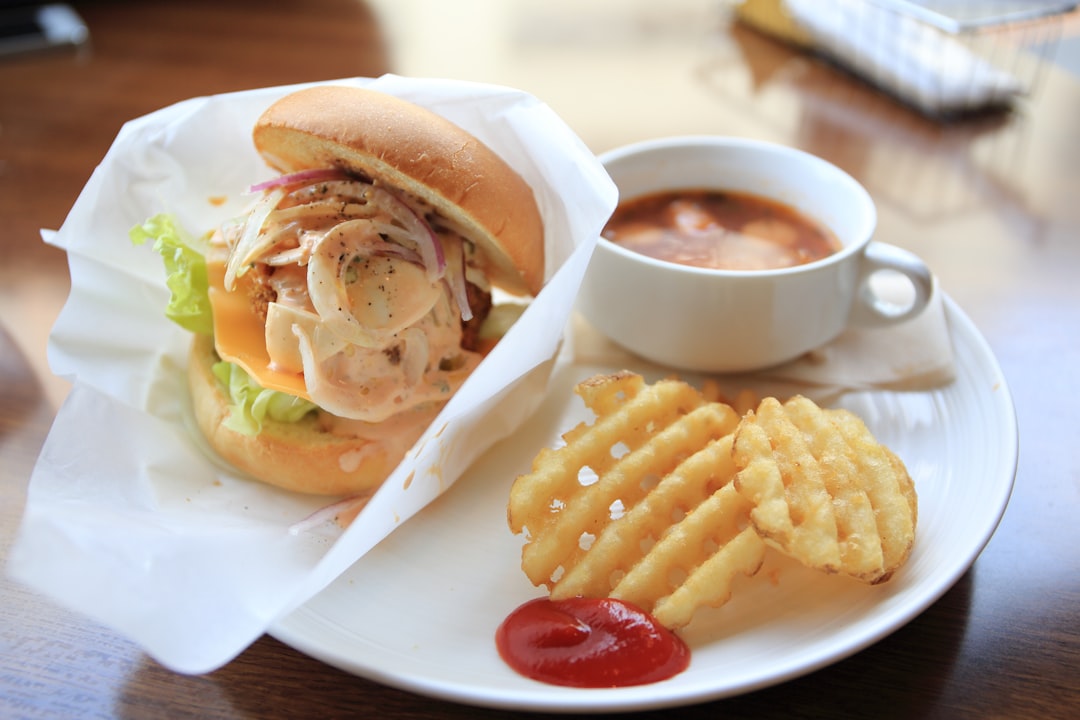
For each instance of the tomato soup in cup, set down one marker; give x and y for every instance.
(719, 229)
(731, 255)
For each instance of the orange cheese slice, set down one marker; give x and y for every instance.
(240, 334)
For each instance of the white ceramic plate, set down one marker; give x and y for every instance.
(420, 611)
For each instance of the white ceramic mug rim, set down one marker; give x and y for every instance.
(720, 140)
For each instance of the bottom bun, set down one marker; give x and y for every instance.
(303, 456)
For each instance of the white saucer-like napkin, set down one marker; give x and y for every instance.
(913, 355)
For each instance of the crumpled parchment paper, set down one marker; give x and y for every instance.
(130, 519)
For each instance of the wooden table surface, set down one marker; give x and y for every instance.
(992, 204)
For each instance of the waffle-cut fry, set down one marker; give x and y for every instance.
(742, 401)
(824, 490)
(711, 583)
(670, 494)
(696, 561)
(889, 489)
(649, 514)
(658, 525)
(553, 506)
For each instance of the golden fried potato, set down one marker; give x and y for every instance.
(888, 487)
(638, 505)
(669, 494)
(742, 401)
(824, 490)
(696, 560)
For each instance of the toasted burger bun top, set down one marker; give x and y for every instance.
(413, 149)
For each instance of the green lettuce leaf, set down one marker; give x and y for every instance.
(189, 307)
(253, 404)
(185, 267)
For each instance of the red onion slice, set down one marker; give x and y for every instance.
(310, 175)
(253, 242)
(430, 247)
(427, 241)
(455, 278)
(416, 354)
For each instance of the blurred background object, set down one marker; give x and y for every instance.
(944, 57)
(33, 27)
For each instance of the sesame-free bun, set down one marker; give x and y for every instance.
(300, 456)
(413, 149)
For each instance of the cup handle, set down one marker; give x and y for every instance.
(878, 307)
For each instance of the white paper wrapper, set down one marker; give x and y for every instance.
(130, 518)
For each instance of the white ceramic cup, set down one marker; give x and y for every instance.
(740, 320)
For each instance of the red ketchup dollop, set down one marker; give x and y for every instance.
(589, 643)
